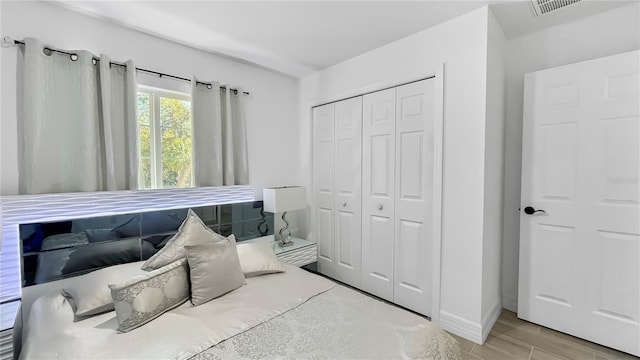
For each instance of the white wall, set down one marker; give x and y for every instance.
(272, 124)
(604, 34)
(493, 176)
(461, 45)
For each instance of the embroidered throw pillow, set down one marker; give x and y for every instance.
(145, 297)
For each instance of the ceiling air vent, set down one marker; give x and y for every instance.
(541, 7)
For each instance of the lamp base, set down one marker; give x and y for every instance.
(285, 240)
(285, 243)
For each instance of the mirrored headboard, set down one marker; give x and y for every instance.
(57, 250)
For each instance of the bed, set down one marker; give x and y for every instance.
(205, 296)
(294, 314)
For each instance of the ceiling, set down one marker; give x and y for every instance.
(299, 37)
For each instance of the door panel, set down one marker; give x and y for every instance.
(579, 261)
(558, 170)
(378, 189)
(554, 279)
(414, 181)
(323, 185)
(348, 216)
(409, 243)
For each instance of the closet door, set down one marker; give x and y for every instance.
(414, 183)
(378, 159)
(348, 217)
(323, 187)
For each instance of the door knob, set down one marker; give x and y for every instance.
(529, 210)
(379, 207)
(344, 204)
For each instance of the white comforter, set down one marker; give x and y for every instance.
(240, 317)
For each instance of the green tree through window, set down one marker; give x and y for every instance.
(165, 129)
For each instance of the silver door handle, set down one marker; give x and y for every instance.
(380, 207)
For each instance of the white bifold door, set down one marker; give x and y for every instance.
(397, 187)
(323, 186)
(378, 195)
(337, 137)
(348, 229)
(373, 183)
(580, 221)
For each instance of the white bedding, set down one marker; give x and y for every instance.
(240, 317)
(181, 333)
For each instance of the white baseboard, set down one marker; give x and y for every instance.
(468, 329)
(490, 319)
(510, 302)
(461, 327)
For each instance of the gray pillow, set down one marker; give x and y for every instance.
(192, 232)
(101, 254)
(214, 270)
(90, 293)
(98, 235)
(145, 297)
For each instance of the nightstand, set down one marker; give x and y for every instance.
(301, 253)
(8, 312)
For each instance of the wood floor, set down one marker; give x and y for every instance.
(515, 339)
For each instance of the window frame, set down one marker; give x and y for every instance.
(155, 133)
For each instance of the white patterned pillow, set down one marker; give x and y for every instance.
(192, 232)
(145, 297)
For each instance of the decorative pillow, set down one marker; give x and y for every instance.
(258, 258)
(145, 297)
(90, 292)
(192, 232)
(214, 270)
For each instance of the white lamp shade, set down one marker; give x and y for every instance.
(285, 198)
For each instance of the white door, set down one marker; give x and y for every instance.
(348, 218)
(323, 186)
(378, 159)
(580, 258)
(414, 182)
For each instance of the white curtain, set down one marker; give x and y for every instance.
(219, 136)
(78, 125)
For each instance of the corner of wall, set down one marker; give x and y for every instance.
(462, 327)
(490, 319)
(510, 302)
(476, 332)
(494, 157)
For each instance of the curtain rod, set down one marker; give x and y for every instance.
(17, 42)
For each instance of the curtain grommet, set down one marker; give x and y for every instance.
(73, 57)
(47, 51)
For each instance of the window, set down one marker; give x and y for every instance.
(164, 121)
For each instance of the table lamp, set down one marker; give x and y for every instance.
(283, 199)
